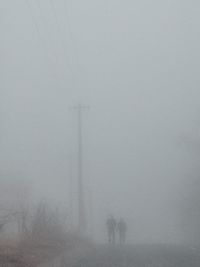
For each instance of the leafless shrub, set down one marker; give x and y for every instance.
(47, 223)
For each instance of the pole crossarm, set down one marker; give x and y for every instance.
(80, 107)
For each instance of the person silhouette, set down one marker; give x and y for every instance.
(111, 229)
(122, 228)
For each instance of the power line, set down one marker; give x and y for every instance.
(34, 20)
(63, 42)
(46, 25)
(74, 44)
(41, 12)
(41, 39)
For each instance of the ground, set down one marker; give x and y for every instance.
(138, 256)
(86, 254)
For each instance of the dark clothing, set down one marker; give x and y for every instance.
(121, 227)
(111, 228)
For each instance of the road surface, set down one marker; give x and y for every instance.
(138, 256)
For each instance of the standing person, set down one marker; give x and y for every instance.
(122, 228)
(111, 228)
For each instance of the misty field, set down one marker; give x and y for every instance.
(140, 256)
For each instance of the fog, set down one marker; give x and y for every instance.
(136, 64)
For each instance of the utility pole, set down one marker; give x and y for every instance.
(70, 185)
(82, 223)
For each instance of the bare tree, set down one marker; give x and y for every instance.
(47, 222)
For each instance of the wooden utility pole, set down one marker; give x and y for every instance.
(70, 185)
(82, 222)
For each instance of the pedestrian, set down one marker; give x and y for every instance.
(111, 229)
(122, 228)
